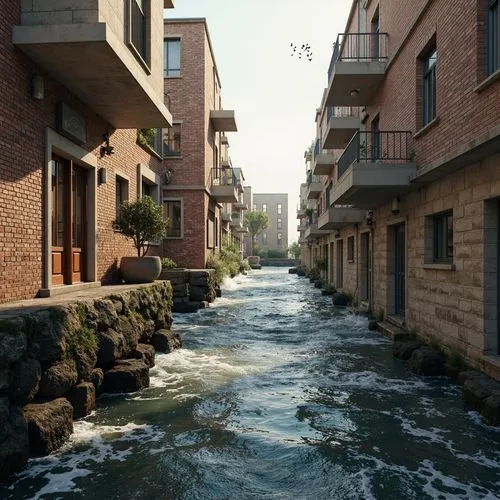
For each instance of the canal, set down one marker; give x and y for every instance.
(275, 395)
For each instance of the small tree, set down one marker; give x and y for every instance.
(294, 249)
(142, 221)
(256, 222)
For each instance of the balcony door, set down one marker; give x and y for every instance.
(68, 209)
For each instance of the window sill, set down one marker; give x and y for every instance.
(427, 127)
(174, 238)
(172, 157)
(440, 267)
(488, 81)
(172, 77)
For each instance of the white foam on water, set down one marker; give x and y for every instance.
(89, 444)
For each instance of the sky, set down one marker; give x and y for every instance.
(274, 95)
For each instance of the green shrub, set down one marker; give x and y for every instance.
(168, 263)
(226, 262)
(277, 254)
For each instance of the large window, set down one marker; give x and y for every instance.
(264, 238)
(350, 249)
(172, 209)
(172, 53)
(493, 36)
(121, 185)
(264, 207)
(429, 83)
(279, 223)
(280, 239)
(443, 237)
(172, 140)
(138, 28)
(279, 208)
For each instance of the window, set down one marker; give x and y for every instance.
(172, 54)
(172, 140)
(493, 36)
(350, 249)
(121, 185)
(254, 207)
(442, 237)
(340, 264)
(264, 207)
(279, 208)
(172, 209)
(429, 95)
(278, 224)
(280, 239)
(138, 28)
(264, 238)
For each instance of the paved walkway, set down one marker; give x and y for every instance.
(11, 309)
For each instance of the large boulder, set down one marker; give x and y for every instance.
(97, 379)
(47, 335)
(58, 379)
(130, 331)
(49, 425)
(25, 381)
(340, 299)
(5, 380)
(163, 319)
(129, 375)
(106, 314)
(477, 389)
(427, 361)
(13, 345)
(82, 399)
(462, 377)
(186, 307)
(403, 349)
(301, 272)
(14, 447)
(111, 348)
(166, 341)
(147, 332)
(491, 408)
(145, 353)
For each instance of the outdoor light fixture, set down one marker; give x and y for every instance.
(354, 92)
(369, 217)
(37, 88)
(106, 149)
(102, 176)
(395, 206)
(337, 234)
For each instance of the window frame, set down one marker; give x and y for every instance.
(173, 135)
(493, 37)
(122, 184)
(167, 71)
(429, 85)
(144, 55)
(165, 214)
(441, 238)
(279, 223)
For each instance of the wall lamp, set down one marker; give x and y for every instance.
(369, 217)
(395, 206)
(106, 149)
(37, 87)
(102, 176)
(337, 234)
(354, 92)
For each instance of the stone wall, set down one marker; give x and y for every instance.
(55, 360)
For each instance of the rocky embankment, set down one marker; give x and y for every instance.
(55, 361)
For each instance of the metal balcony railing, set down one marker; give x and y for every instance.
(358, 47)
(376, 147)
(223, 177)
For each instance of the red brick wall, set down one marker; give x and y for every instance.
(23, 122)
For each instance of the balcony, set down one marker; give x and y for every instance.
(98, 60)
(236, 222)
(314, 187)
(223, 185)
(240, 205)
(301, 212)
(223, 120)
(314, 232)
(342, 122)
(226, 217)
(302, 226)
(340, 217)
(322, 161)
(357, 68)
(374, 168)
(242, 230)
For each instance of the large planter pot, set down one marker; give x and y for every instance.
(140, 269)
(253, 260)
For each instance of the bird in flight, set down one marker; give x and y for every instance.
(301, 51)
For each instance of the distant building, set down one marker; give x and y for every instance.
(275, 237)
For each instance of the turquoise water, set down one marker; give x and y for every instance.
(275, 395)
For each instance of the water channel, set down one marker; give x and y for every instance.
(275, 395)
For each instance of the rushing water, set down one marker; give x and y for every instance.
(275, 395)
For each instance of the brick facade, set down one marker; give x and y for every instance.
(24, 127)
(458, 160)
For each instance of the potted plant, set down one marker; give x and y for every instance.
(142, 221)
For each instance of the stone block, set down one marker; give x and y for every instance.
(97, 379)
(111, 348)
(476, 390)
(82, 399)
(403, 349)
(26, 375)
(130, 375)
(145, 353)
(427, 361)
(49, 425)
(197, 293)
(13, 346)
(166, 341)
(462, 377)
(58, 379)
(340, 299)
(491, 409)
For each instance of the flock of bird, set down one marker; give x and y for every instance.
(302, 50)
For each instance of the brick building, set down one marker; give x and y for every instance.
(275, 237)
(203, 198)
(76, 85)
(405, 173)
